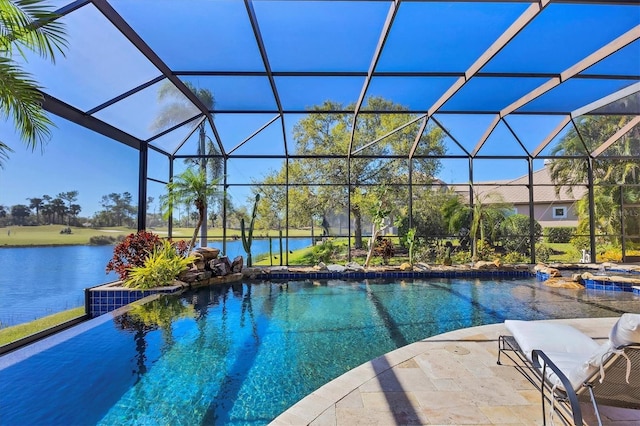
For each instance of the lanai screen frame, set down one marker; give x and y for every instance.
(425, 117)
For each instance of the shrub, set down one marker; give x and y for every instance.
(134, 249)
(543, 253)
(384, 248)
(560, 234)
(324, 252)
(102, 240)
(485, 251)
(514, 233)
(461, 256)
(159, 269)
(514, 257)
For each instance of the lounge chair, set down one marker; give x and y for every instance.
(568, 366)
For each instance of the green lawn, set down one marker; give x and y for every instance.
(15, 332)
(18, 236)
(563, 252)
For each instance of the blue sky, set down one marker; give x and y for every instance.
(307, 36)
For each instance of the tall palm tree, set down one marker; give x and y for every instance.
(36, 203)
(174, 111)
(190, 188)
(26, 25)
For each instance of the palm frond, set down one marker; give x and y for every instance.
(20, 98)
(31, 25)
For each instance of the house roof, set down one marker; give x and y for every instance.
(516, 191)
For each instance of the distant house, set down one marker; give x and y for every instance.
(549, 209)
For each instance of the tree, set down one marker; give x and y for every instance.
(616, 180)
(209, 157)
(118, 210)
(36, 203)
(70, 197)
(20, 213)
(58, 210)
(26, 25)
(329, 179)
(190, 188)
(488, 211)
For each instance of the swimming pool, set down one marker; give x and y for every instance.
(243, 353)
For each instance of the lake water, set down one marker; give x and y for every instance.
(38, 281)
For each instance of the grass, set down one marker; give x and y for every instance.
(563, 253)
(49, 235)
(15, 332)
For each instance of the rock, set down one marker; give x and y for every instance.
(236, 265)
(207, 253)
(553, 273)
(320, 266)
(190, 276)
(423, 266)
(587, 275)
(539, 267)
(482, 264)
(497, 262)
(336, 268)
(406, 267)
(221, 269)
(354, 266)
(200, 265)
(279, 269)
(560, 282)
(576, 278)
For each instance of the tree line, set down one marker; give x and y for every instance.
(62, 209)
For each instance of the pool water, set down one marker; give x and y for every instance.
(244, 353)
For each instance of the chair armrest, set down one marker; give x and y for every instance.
(536, 355)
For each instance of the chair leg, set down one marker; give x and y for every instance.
(595, 405)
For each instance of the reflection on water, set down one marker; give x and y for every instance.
(39, 281)
(242, 353)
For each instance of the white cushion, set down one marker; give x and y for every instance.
(626, 331)
(577, 367)
(551, 337)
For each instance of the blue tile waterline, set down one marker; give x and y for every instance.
(243, 353)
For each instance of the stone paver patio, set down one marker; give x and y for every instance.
(451, 378)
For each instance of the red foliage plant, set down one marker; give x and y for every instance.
(134, 250)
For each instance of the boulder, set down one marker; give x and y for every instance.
(482, 264)
(236, 265)
(553, 273)
(539, 267)
(406, 267)
(423, 266)
(207, 253)
(354, 266)
(320, 266)
(336, 268)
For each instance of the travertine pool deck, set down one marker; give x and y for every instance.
(450, 378)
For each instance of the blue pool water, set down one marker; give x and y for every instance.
(242, 354)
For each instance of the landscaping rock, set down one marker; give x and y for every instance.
(236, 265)
(336, 268)
(207, 253)
(423, 266)
(482, 264)
(406, 267)
(354, 266)
(320, 266)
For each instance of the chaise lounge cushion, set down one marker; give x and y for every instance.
(577, 355)
(550, 337)
(626, 331)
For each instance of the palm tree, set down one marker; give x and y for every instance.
(26, 25)
(609, 174)
(175, 112)
(190, 188)
(489, 209)
(36, 203)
